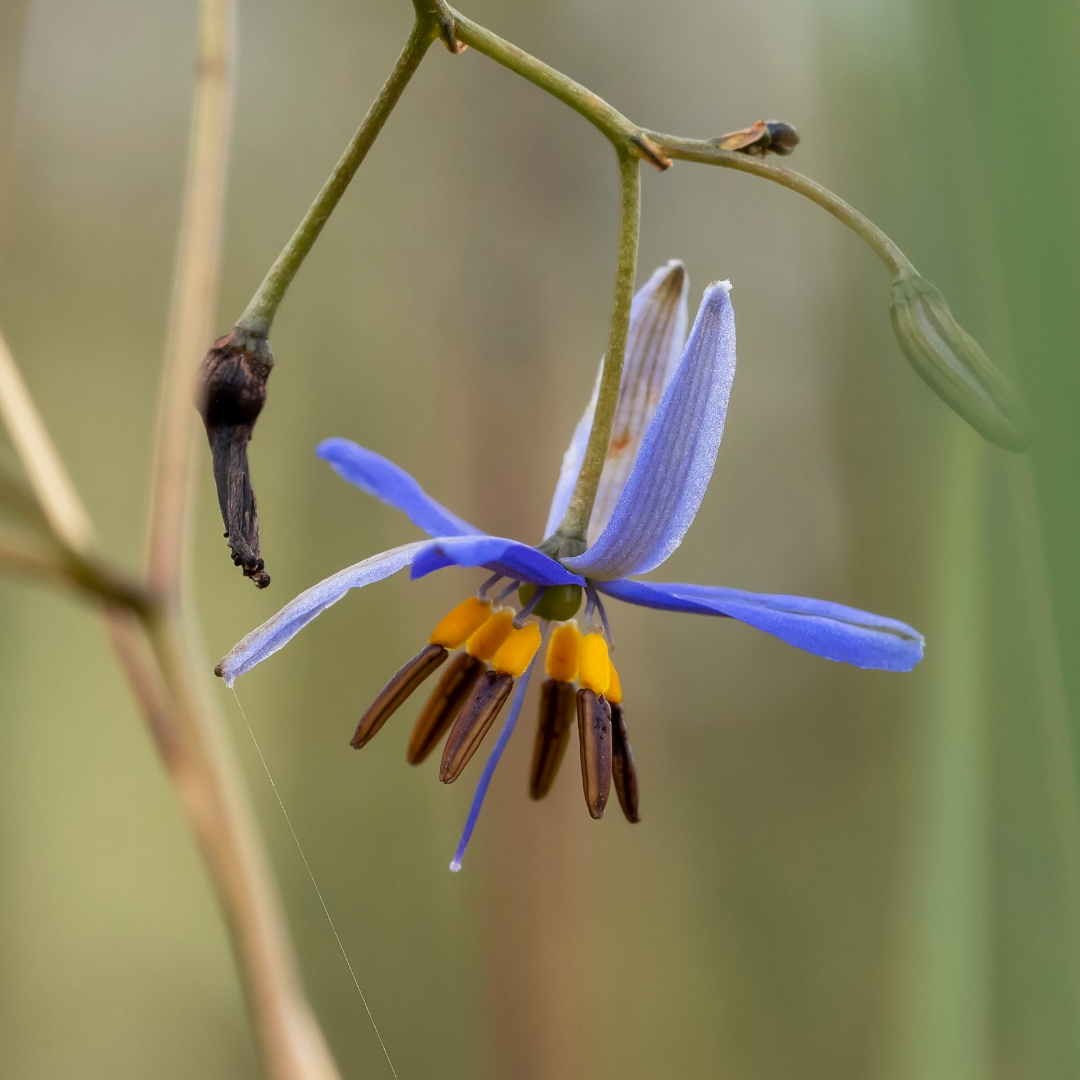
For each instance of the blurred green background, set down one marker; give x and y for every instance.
(839, 874)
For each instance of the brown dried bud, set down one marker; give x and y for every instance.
(557, 706)
(760, 138)
(623, 771)
(231, 393)
(594, 732)
(395, 693)
(443, 706)
(474, 721)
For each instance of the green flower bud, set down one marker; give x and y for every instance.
(951, 362)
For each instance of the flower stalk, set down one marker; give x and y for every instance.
(260, 312)
(569, 539)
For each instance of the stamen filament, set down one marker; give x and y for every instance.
(530, 607)
(492, 763)
(504, 593)
(482, 592)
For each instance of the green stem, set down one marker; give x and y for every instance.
(575, 524)
(621, 131)
(707, 154)
(260, 313)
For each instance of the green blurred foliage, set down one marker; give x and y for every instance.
(839, 873)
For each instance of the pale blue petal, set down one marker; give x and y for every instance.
(833, 631)
(278, 630)
(677, 455)
(380, 477)
(506, 557)
(653, 345)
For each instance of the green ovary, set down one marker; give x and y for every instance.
(559, 603)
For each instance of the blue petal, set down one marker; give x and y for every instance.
(294, 616)
(654, 343)
(380, 477)
(506, 557)
(818, 626)
(677, 455)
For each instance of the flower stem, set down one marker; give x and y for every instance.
(622, 132)
(260, 312)
(707, 154)
(575, 523)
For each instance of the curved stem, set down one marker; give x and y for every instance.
(707, 154)
(260, 312)
(622, 132)
(575, 523)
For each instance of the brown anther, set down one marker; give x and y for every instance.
(231, 392)
(622, 767)
(443, 706)
(594, 732)
(557, 705)
(394, 693)
(488, 696)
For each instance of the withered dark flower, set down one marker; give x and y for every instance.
(668, 426)
(231, 394)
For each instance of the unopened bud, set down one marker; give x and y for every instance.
(951, 362)
(231, 393)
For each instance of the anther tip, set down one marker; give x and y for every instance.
(455, 865)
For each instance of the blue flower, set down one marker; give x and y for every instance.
(667, 431)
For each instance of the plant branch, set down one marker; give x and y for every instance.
(162, 660)
(659, 148)
(195, 285)
(575, 523)
(626, 136)
(190, 732)
(260, 312)
(20, 500)
(52, 486)
(707, 154)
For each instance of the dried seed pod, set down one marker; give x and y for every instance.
(443, 706)
(231, 393)
(623, 771)
(557, 706)
(594, 732)
(394, 693)
(476, 717)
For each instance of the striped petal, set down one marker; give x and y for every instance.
(654, 342)
(673, 469)
(821, 627)
(281, 628)
(391, 484)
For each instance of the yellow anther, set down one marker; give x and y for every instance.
(516, 653)
(484, 643)
(564, 653)
(461, 623)
(614, 690)
(595, 673)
